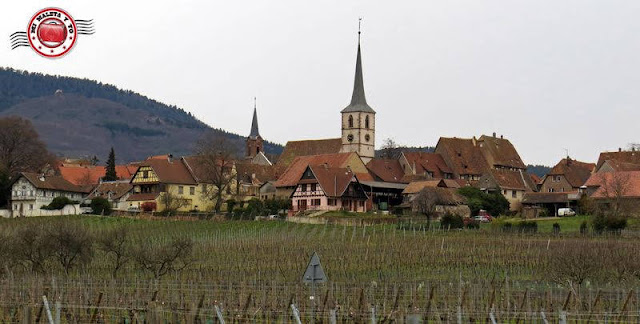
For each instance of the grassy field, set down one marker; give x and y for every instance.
(255, 269)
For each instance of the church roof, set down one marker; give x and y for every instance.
(254, 125)
(358, 100)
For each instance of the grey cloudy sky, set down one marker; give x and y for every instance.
(550, 75)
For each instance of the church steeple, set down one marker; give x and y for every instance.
(358, 118)
(254, 141)
(254, 124)
(358, 99)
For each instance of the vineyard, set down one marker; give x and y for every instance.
(252, 272)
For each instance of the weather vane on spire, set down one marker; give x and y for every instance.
(255, 100)
(359, 24)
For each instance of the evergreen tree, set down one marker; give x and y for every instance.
(111, 167)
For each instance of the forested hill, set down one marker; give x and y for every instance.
(539, 170)
(86, 118)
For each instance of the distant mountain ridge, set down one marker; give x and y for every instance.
(83, 118)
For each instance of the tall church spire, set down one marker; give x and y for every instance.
(254, 124)
(358, 100)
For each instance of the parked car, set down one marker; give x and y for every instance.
(482, 219)
(566, 212)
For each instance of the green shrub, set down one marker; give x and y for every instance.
(58, 203)
(451, 221)
(494, 203)
(584, 228)
(100, 206)
(609, 223)
(528, 227)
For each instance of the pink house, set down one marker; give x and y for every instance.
(325, 188)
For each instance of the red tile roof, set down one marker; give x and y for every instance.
(262, 173)
(536, 180)
(54, 183)
(612, 184)
(292, 175)
(428, 162)
(388, 170)
(294, 149)
(117, 189)
(632, 157)
(444, 196)
(622, 166)
(172, 171)
(575, 172)
(333, 181)
(91, 174)
(507, 179)
(501, 151)
(462, 155)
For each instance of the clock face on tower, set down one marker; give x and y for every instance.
(350, 137)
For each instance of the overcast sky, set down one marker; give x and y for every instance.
(550, 75)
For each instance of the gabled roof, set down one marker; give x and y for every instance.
(535, 179)
(464, 157)
(576, 172)
(507, 179)
(358, 100)
(632, 157)
(117, 189)
(387, 170)
(53, 183)
(173, 171)
(333, 181)
(502, 151)
(444, 196)
(294, 149)
(426, 161)
(258, 172)
(292, 175)
(625, 183)
(621, 166)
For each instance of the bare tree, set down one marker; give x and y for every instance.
(615, 187)
(21, 150)
(574, 261)
(30, 247)
(72, 244)
(216, 155)
(389, 149)
(425, 203)
(116, 244)
(173, 203)
(160, 260)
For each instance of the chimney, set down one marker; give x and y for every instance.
(41, 178)
(494, 134)
(473, 140)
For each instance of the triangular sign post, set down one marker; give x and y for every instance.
(314, 272)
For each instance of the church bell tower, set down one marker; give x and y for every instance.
(359, 119)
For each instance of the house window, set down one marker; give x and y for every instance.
(180, 190)
(504, 192)
(145, 174)
(315, 202)
(204, 188)
(331, 202)
(192, 190)
(362, 203)
(514, 194)
(557, 178)
(350, 121)
(313, 187)
(550, 189)
(30, 206)
(303, 188)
